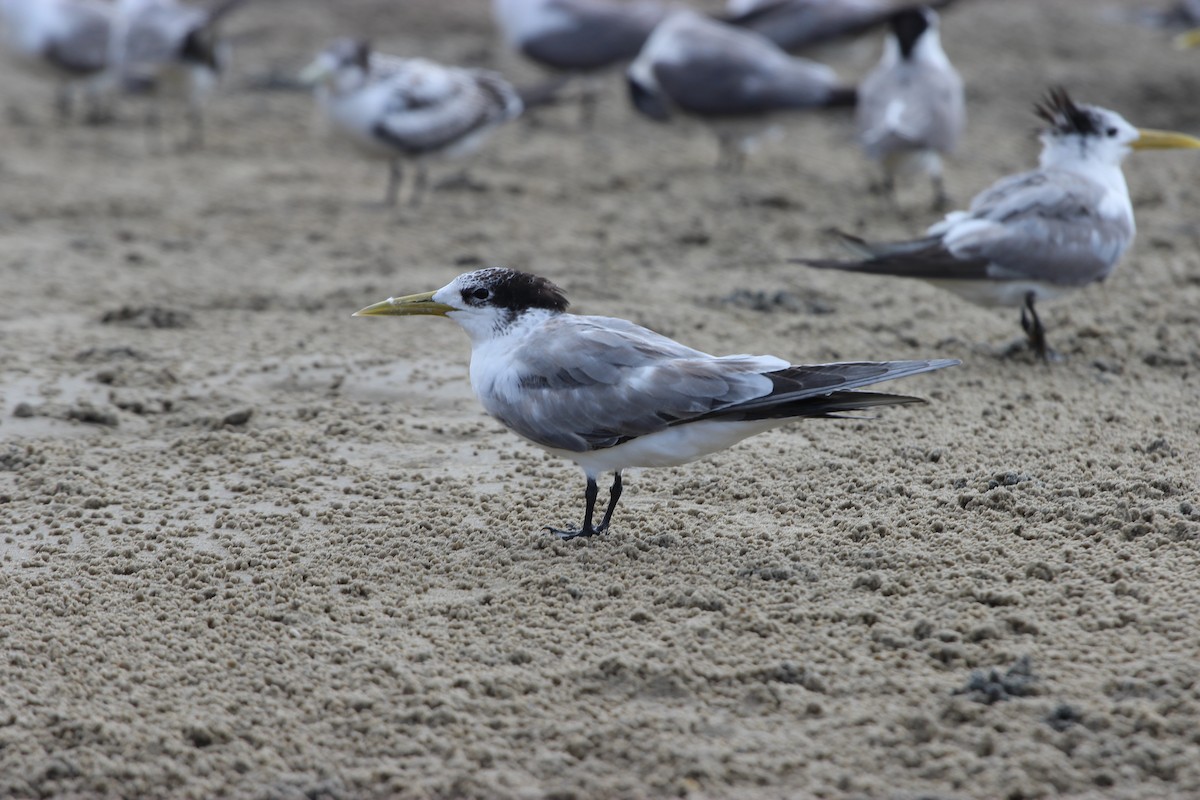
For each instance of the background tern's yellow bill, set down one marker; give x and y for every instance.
(610, 395)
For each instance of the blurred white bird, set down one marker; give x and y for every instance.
(731, 79)
(610, 395)
(1034, 236)
(578, 37)
(408, 109)
(910, 108)
(65, 39)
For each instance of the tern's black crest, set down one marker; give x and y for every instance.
(908, 26)
(1065, 117)
(516, 291)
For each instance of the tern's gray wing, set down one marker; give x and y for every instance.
(709, 68)
(1044, 226)
(427, 116)
(1048, 225)
(82, 44)
(588, 383)
(794, 24)
(910, 106)
(601, 34)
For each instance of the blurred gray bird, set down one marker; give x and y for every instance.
(731, 79)
(911, 109)
(1037, 235)
(578, 37)
(798, 24)
(411, 109)
(171, 49)
(610, 395)
(64, 39)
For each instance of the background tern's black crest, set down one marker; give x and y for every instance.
(517, 291)
(908, 25)
(1064, 116)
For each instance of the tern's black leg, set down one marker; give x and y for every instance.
(395, 175)
(589, 495)
(1034, 329)
(614, 494)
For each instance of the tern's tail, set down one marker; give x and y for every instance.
(924, 258)
(825, 390)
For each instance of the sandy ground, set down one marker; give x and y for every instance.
(255, 548)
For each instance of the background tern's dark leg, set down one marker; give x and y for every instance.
(419, 186)
(395, 175)
(1034, 329)
(614, 494)
(589, 495)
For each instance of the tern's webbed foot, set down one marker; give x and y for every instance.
(568, 535)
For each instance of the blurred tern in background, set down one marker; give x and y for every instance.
(1034, 236)
(578, 37)
(797, 24)
(610, 395)
(910, 108)
(408, 108)
(65, 39)
(731, 79)
(171, 49)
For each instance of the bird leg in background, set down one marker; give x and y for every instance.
(730, 156)
(941, 200)
(395, 176)
(589, 495)
(420, 183)
(1034, 329)
(195, 118)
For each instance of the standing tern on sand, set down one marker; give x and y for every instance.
(731, 79)
(411, 109)
(66, 39)
(172, 48)
(1037, 235)
(910, 108)
(610, 395)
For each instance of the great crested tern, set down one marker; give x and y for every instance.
(611, 395)
(578, 37)
(172, 48)
(797, 24)
(731, 79)
(911, 109)
(408, 108)
(66, 39)
(1037, 235)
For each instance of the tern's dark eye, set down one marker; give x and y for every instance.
(481, 294)
(1111, 132)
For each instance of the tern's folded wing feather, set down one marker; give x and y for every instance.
(586, 384)
(600, 34)
(429, 108)
(1048, 225)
